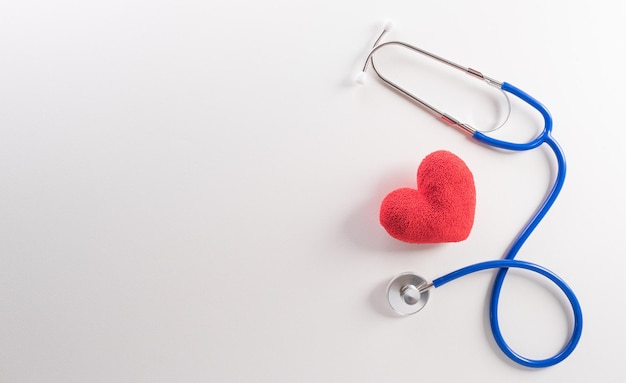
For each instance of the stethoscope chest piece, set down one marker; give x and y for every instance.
(408, 293)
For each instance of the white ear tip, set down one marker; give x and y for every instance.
(388, 25)
(360, 78)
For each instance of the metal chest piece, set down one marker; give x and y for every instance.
(408, 293)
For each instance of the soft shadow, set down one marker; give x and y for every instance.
(378, 300)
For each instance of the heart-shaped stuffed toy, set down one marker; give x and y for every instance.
(442, 207)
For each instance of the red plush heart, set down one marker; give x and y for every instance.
(440, 210)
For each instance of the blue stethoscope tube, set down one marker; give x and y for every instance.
(509, 260)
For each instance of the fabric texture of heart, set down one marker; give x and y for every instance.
(442, 207)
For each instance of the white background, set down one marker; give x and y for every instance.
(189, 190)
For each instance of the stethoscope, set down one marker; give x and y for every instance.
(408, 293)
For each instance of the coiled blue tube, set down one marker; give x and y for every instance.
(509, 261)
(504, 265)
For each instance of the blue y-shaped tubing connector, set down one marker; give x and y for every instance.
(509, 260)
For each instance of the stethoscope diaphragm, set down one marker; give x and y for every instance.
(408, 293)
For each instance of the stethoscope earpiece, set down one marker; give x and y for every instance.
(408, 293)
